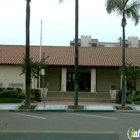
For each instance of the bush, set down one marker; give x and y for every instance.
(21, 95)
(9, 94)
(19, 90)
(133, 97)
(130, 97)
(118, 97)
(36, 93)
(10, 100)
(2, 89)
(10, 88)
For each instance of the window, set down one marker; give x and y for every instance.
(94, 45)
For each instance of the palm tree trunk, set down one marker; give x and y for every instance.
(123, 62)
(76, 54)
(27, 76)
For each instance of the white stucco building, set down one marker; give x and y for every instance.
(87, 41)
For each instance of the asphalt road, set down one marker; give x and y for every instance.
(31, 136)
(67, 126)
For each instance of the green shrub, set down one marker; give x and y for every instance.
(2, 89)
(36, 93)
(10, 100)
(118, 96)
(132, 97)
(137, 92)
(21, 95)
(129, 99)
(9, 88)
(19, 90)
(9, 94)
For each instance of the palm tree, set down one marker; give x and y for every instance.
(76, 53)
(127, 9)
(27, 76)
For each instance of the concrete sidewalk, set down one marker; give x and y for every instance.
(63, 107)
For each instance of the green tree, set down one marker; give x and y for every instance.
(127, 9)
(27, 76)
(132, 73)
(35, 66)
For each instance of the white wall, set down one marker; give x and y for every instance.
(85, 41)
(11, 74)
(134, 41)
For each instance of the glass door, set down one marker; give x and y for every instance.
(84, 81)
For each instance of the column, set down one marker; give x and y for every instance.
(93, 80)
(121, 82)
(63, 79)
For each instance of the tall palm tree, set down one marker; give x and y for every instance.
(27, 76)
(127, 9)
(76, 52)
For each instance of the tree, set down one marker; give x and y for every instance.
(35, 66)
(131, 72)
(27, 76)
(127, 9)
(76, 53)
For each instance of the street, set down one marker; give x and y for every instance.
(67, 126)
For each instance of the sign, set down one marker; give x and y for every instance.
(132, 134)
(42, 71)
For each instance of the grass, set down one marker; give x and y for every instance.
(10, 100)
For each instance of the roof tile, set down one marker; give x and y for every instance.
(64, 56)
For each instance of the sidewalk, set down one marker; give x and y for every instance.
(63, 107)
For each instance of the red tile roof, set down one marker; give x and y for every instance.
(64, 56)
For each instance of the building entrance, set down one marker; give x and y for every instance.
(84, 81)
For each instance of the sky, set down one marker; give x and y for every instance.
(58, 27)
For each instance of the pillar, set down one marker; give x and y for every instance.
(93, 80)
(63, 79)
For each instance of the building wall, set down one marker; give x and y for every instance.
(107, 77)
(109, 45)
(104, 78)
(11, 74)
(53, 79)
(134, 41)
(85, 41)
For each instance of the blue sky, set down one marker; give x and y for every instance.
(59, 22)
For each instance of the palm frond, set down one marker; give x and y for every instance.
(128, 7)
(114, 6)
(132, 11)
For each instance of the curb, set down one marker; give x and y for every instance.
(62, 111)
(127, 111)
